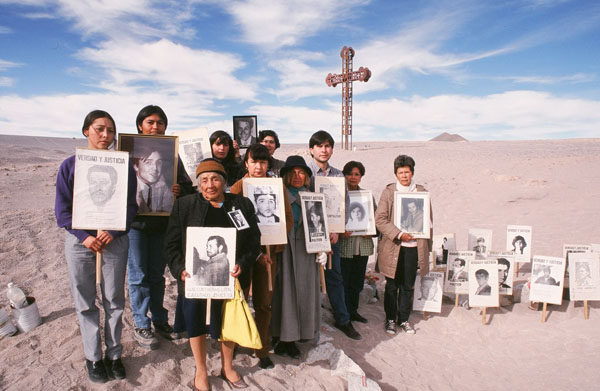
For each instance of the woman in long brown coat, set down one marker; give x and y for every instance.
(399, 253)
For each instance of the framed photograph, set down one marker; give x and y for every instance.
(518, 240)
(584, 275)
(442, 245)
(209, 258)
(155, 164)
(314, 219)
(412, 213)
(361, 214)
(547, 277)
(428, 292)
(245, 130)
(506, 270)
(334, 189)
(480, 241)
(194, 146)
(267, 196)
(483, 283)
(100, 189)
(457, 275)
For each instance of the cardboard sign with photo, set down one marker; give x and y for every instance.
(480, 241)
(442, 245)
(457, 275)
(194, 146)
(412, 213)
(334, 189)
(506, 270)
(361, 214)
(547, 279)
(245, 130)
(267, 196)
(314, 221)
(483, 283)
(584, 275)
(518, 240)
(428, 292)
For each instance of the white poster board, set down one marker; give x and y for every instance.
(412, 213)
(547, 274)
(334, 189)
(480, 241)
(428, 292)
(518, 240)
(267, 196)
(506, 270)
(100, 189)
(442, 245)
(595, 247)
(361, 213)
(209, 259)
(483, 283)
(457, 275)
(194, 146)
(584, 275)
(314, 220)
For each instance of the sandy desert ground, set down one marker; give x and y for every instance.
(551, 185)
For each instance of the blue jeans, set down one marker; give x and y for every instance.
(145, 275)
(335, 287)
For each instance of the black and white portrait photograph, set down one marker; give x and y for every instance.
(480, 241)
(428, 292)
(506, 270)
(155, 164)
(547, 278)
(267, 196)
(584, 276)
(413, 214)
(569, 249)
(360, 216)
(245, 130)
(100, 189)
(518, 240)
(483, 283)
(238, 219)
(334, 189)
(442, 245)
(314, 220)
(209, 258)
(194, 146)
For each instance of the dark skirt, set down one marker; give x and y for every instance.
(190, 316)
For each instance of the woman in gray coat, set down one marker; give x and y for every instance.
(296, 301)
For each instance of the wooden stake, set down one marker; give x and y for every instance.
(207, 311)
(456, 300)
(98, 263)
(586, 310)
(328, 260)
(544, 313)
(517, 271)
(322, 272)
(483, 320)
(269, 276)
(424, 315)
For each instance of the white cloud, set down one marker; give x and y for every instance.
(574, 78)
(169, 67)
(5, 30)
(273, 24)
(4, 64)
(6, 81)
(39, 15)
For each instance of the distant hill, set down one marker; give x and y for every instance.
(449, 137)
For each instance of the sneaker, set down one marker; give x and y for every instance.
(166, 331)
(114, 368)
(390, 327)
(408, 329)
(358, 318)
(146, 338)
(349, 330)
(96, 371)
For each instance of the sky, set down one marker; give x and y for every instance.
(487, 70)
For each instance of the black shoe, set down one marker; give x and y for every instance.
(96, 371)
(114, 368)
(165, 331)
(265, 363)
(349, 330)
(293, 351)
(281, 348)
(358, 318)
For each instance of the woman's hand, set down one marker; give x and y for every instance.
(346, 235)
(237, 270)
(265, 260)
(176, 190)
(236, 148)
(97, 244)
(333, 237)
(105, 238)
(184, 275)
(406, 237)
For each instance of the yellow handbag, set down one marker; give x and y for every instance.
(238, 325)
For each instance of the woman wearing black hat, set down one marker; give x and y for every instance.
(296, 297)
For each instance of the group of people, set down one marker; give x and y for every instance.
(285, 316)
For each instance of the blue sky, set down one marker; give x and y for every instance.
(487, 70)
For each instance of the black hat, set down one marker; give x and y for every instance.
(294, 161)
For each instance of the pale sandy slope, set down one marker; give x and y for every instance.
(550, 185)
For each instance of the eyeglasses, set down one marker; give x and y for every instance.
(102, 129)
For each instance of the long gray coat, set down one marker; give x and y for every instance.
(296, 305)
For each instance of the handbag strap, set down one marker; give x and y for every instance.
(239, 293)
